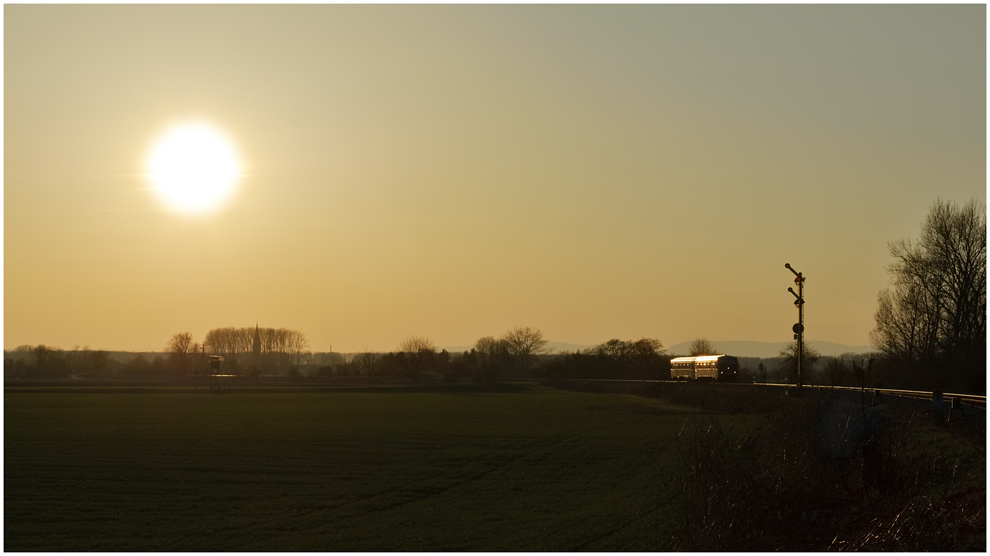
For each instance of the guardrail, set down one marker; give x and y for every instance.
(952, 398)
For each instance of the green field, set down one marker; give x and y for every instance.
(523, 469)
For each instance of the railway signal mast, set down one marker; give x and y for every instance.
(798, 328)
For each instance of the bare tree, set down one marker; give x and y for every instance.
(933, 320)
(308, 366)
(416, 355)
(296, 346)
(279, 348)
(49, 361)
(649, 347)
(702, 346)
(640, 359)
(179, 349)
(525, 344)
(180, 343)
(417, 343)
(835, 371)
(225, 342)
(101, 362)
(612, 349)
(274, 345)
(327, 358)
(80, 360)
(788, 360)
(368, 364)
(492, 357)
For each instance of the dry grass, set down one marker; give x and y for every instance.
(827, 473)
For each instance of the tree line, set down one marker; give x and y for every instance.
(517, 353)
(930, 334)
(43, 361)
(520, 352)
(278, 349)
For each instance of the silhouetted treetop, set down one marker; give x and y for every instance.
(702, 346)
(932, 321)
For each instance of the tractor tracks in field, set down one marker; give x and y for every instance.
(387, 500)
(652, 510)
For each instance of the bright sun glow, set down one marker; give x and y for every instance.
(194, 167)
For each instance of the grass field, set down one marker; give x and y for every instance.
(524, 469)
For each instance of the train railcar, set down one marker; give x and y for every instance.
(710, 367)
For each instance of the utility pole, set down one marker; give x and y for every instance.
(799, 327)
(203, 364)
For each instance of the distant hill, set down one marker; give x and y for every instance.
(769, 349)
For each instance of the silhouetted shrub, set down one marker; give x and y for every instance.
(823, 474)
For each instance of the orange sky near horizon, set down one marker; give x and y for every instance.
(596, 172)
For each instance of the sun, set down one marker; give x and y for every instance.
(194, 167)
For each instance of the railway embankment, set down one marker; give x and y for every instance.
(827, 470)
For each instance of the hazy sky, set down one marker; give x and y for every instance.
(596, 172)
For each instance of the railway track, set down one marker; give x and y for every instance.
(947, 397)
